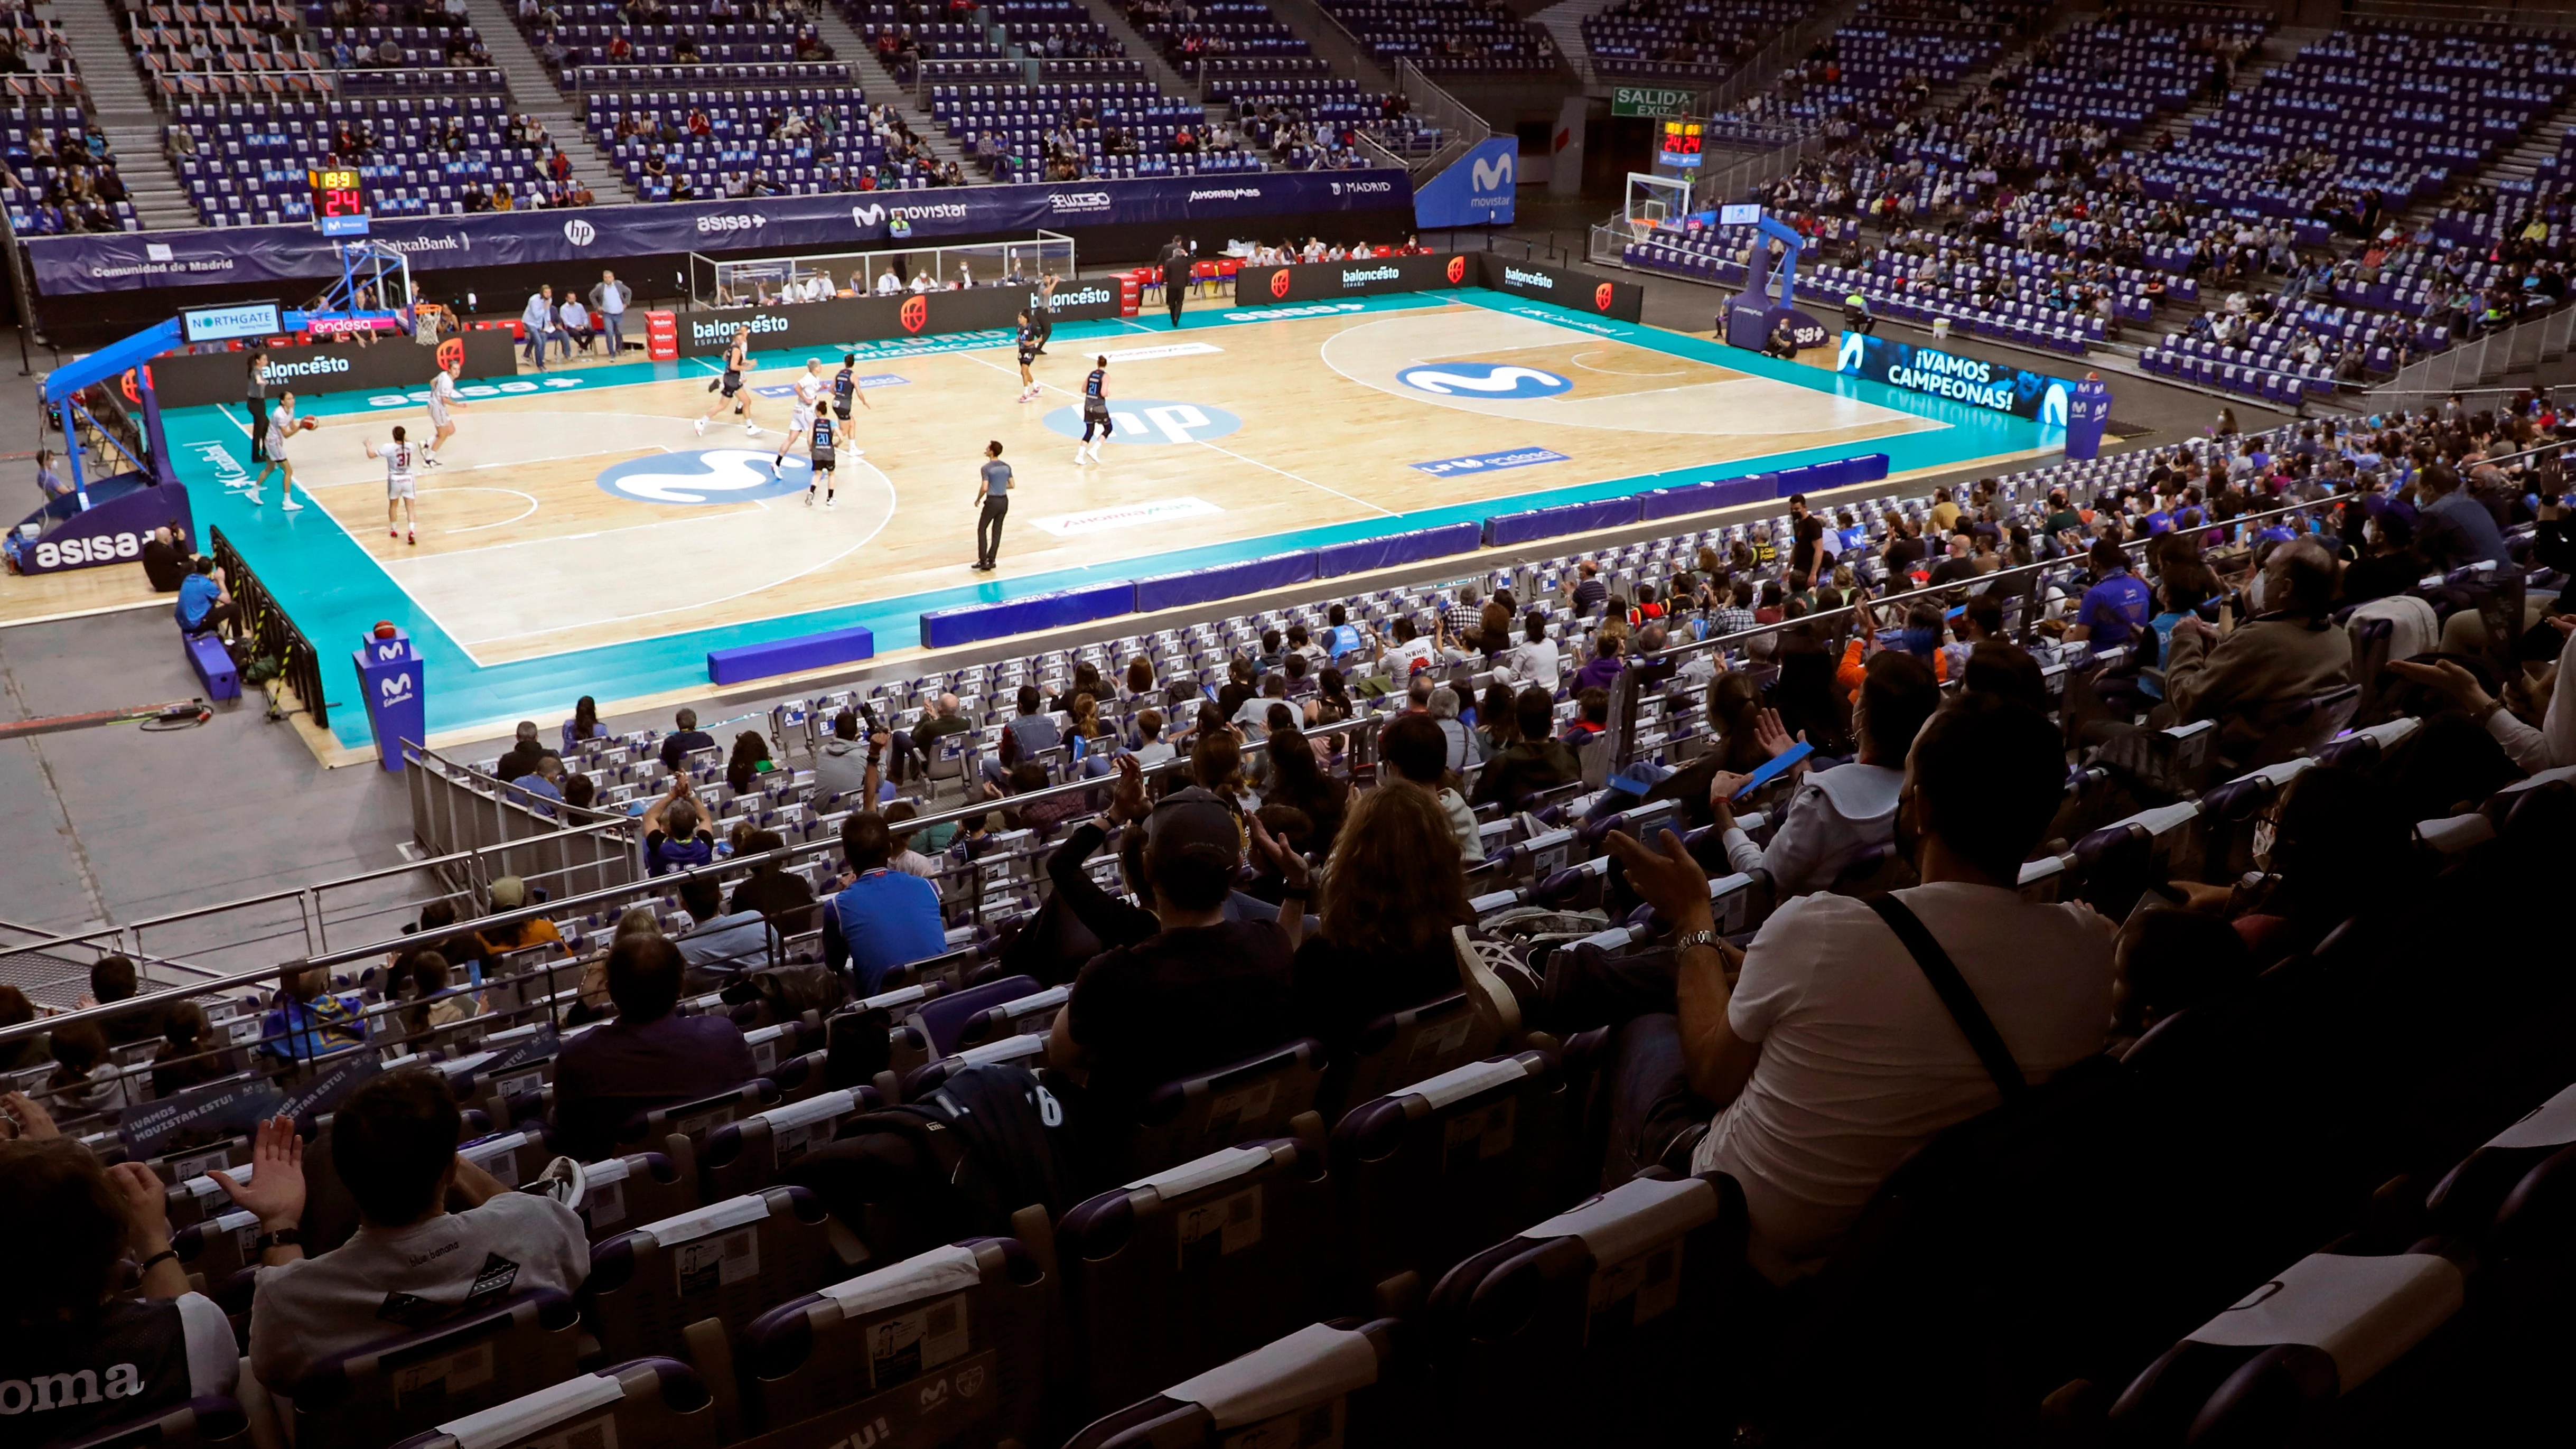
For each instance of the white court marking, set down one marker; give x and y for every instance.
(504, 523)
(1371, 353)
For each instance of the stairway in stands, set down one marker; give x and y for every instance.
(533, 92)
(125, 112)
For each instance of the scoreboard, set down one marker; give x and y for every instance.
(339, 201)
(1679, 146)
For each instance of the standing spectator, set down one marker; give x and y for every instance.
(609, 300)
(883, 917)
(412, 1262)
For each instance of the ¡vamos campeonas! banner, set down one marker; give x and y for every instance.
(72, 264)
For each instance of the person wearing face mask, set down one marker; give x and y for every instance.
(2288, 652)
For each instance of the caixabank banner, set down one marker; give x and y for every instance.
(869, 319)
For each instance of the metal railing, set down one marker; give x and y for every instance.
(1461, 130)
(2541, 14)
(1360, 733)
(460, 815)
(272, 632)
(2466, 365)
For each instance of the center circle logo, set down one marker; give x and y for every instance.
(715, 475)
(1151, 420)
(1497, 380)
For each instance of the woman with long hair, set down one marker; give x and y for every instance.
(1216, 765)
(1332, 702)
(750, 752)
(584, 724)
(1298, 780)
(1391, 891)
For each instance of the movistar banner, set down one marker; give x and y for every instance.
(1937, 372)
(105, 263)
(1476, 190)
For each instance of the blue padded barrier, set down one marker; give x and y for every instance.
(1510, 528)
(1388, 550)
(791, 656)
(1224, 581)
(943, 628)
(214, 665)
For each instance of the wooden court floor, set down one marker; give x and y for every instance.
(1228, 434)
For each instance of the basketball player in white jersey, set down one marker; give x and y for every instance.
(401, 458)
(444, 405)
(811, 388)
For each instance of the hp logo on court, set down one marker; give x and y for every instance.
(1152, 420)
(1484, 379)
(717, 475)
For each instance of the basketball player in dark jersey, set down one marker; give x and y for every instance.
(1028, 353)
(1044, 316)
(736, 359)
(826, 431)
(845, 386)
(1095, 411)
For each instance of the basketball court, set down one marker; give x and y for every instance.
(583, 537)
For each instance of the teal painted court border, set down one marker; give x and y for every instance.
(335, 590)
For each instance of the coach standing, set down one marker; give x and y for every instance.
(1176, 275)
(993, 496)
(257, 396)
(535, 321)
(608, 301)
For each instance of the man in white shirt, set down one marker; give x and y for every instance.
(1831, 1057)
(1838, 817)
(888, 284)
(1531, 661)
(412, 1263)
(576, 325)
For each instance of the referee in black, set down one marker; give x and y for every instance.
(1176, 275)
(993, 499)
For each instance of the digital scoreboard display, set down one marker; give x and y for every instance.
(339, 201)
(1680, 145)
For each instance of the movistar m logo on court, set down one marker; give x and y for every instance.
(716, 475)
(1483, 379)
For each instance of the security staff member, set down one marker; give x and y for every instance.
(1176, 275)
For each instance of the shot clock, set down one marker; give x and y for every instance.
(1680, 146)
(339, 201)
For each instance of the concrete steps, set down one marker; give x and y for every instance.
(125, 113)
(1157, 69)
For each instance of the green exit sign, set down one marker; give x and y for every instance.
(1652, 102)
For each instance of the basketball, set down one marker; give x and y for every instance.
(308, 424)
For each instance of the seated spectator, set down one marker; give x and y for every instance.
(1151, 748)
(308, 1021)
(2288, 653)
(1840, 817)
(721, 944)
(541, 788)
(112, 979)
(1591, 717)
(1417, 752)
(204, 602)
(2547, 744)
(779, 894)
(1029, 734)
(1042, 813)
(84, 1079)
(70, 1318)
(905, 858)
(2454, 529)
(647, 1057)
(185, 1059)
(684, 740)
(523, 754)
(2116, 607)
(584, 724)
(882, 918)
(675, 836)
(846, 763)
(1533, 660)
(27, 1052)
(1604, 665)
(1827, 1060)
(1299, 781)
(426, 978)
(1464, 749)
(749, 761)
(165, 564)
(413, 1262)
(913, 748)
(1536, 763)
(509, 893)
(2169, 960)
(1201, 991)
(1390, 894)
